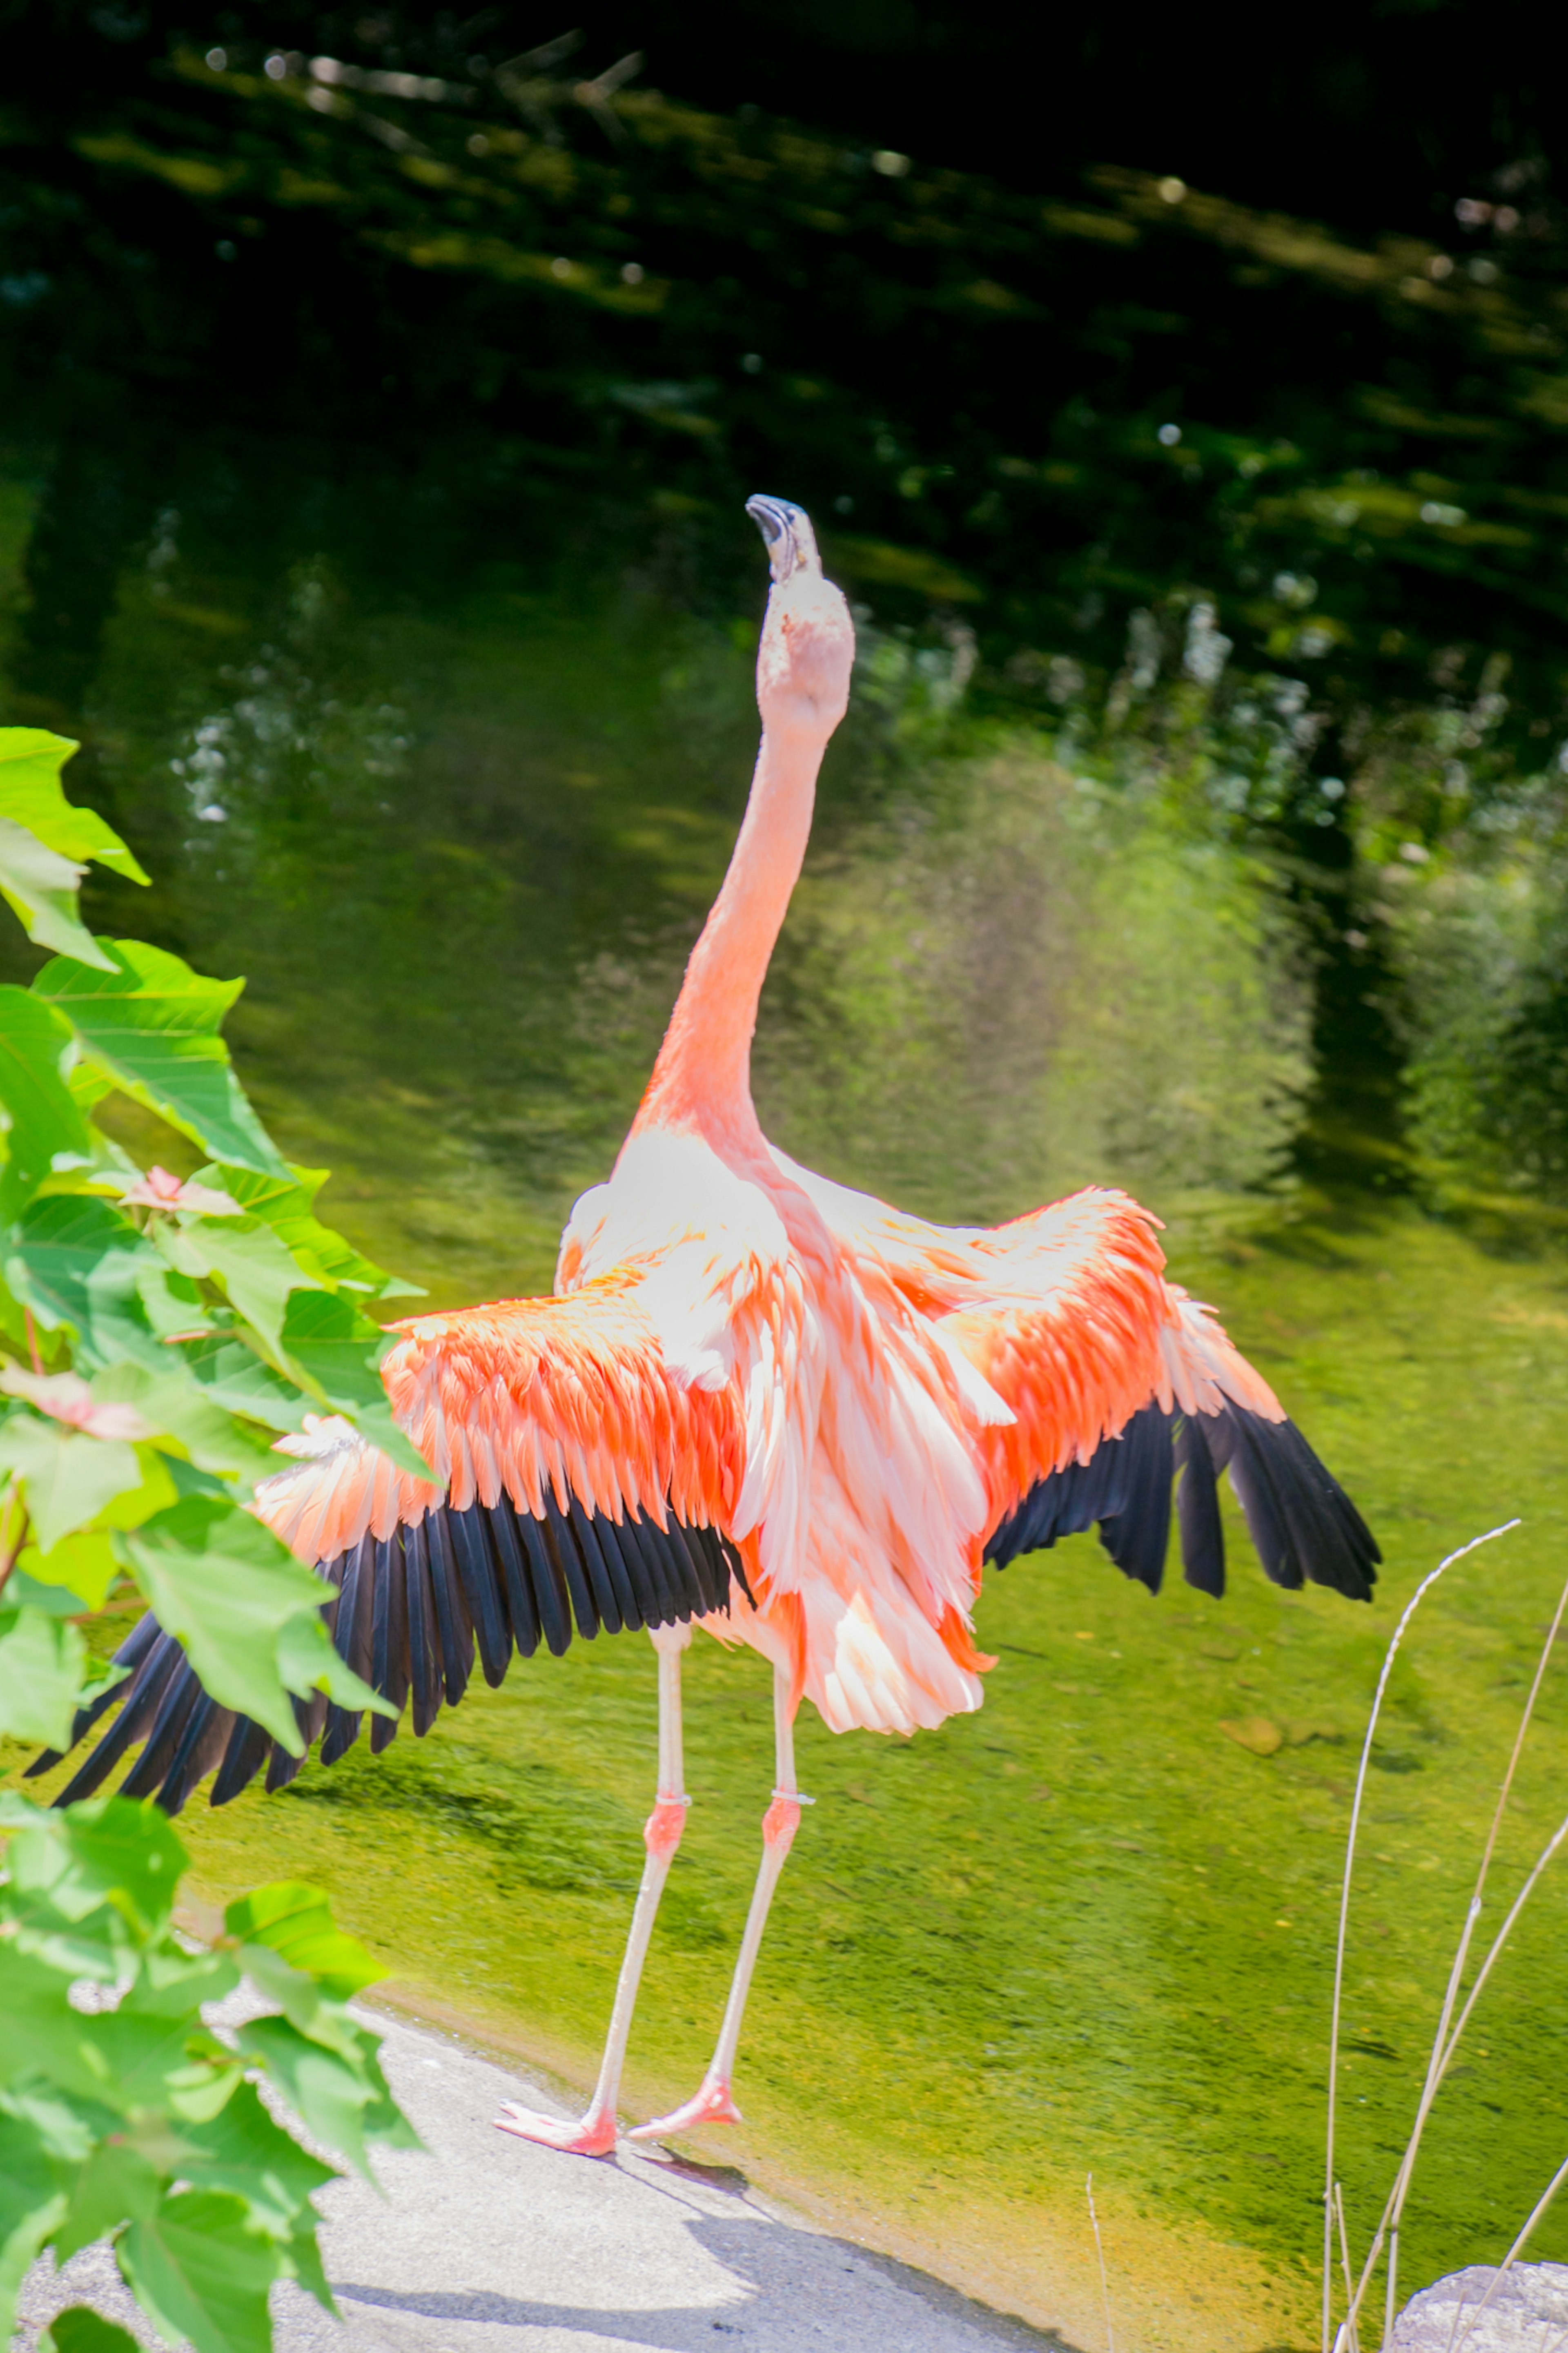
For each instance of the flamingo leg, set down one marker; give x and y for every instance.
(594, 2135)
(712, 2104)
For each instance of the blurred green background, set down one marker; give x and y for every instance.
(1185, 412)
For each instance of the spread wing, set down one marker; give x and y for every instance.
(1119, 1387)
(578, 1486)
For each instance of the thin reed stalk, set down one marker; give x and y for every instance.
(1437, 2062)
(1100, 2251)
(1346, 2341)
(1410, 1609)
(1541, 2203)
(1542, 1859)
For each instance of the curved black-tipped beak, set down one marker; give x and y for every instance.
(787, 531)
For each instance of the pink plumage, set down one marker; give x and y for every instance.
(765, 1404)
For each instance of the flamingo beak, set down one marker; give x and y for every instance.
(774, 518)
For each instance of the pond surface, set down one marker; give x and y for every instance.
(410, 643)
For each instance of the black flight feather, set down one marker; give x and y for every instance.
(1301, 1522)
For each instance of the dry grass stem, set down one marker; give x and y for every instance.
(1330, 2187)
(1346, 2341)
(1442, 2047)
(1100, 2251)
(1541, 2203)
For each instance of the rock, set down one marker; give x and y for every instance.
(1528, 2313)
(1254, 1732)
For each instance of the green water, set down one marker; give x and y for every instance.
(415, 662)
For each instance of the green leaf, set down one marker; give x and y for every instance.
(307, 1663)
(41, 888)
(151, 1025)
(304, 2263)
(227, 1588)
(80, 2329)
(41, 1660)
(246, 1257)
(102, 1852)
(296, 1920)
(231, 1373)
(244, 2151)
(82, 1566)
(339, 1350)
(173, 1302)
(31, 2203)
(116, 2185)
(45, 1132)
(169, 1401)
(30, 795)
(172, 1983)
(199, 2269)
(68, 1477)
(40, 2032)
(152, 2063)
(73, 1260)
(288, 1207)
(329, 2091)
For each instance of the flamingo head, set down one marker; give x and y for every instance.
(807, 648)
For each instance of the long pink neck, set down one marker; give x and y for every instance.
(702, 1079)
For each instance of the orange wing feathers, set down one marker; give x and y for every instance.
(570, 1393)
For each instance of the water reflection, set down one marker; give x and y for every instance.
(453, 788)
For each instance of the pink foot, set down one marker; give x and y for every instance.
(593, 2136)
(711, 2105)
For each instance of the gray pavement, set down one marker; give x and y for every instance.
(487, 2244)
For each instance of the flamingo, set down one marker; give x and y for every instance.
(761, 1403)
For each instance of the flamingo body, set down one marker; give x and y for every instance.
(760, 1402)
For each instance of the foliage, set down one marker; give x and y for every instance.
(1033, 408)
(159, 1333)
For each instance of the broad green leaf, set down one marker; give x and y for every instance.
(227, 1588)
(41, 887)
(169, 1401)
(296, 1920)
(173, 1302)
(172, 1983)
(83, 1567)
(151, 1025)
(66, 1476)
(246, 1257)
(243, 2150)
(116, 2185)
(231, 1373)
(73, 1260)
(31, 795)
(45, 1129)
(307, 1663)
(303, 2255)
(202, 2272)
(102, 1851)
(328, 2092)
(301, 2001)
(288, 1207)
(67, 2128)
(31, 2203)
(80, 2329)
(41, 1660)
(383, 2120)
(339, 1350)
(156, 2062)
(40, 2033)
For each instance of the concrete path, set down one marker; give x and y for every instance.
(487, 2244)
